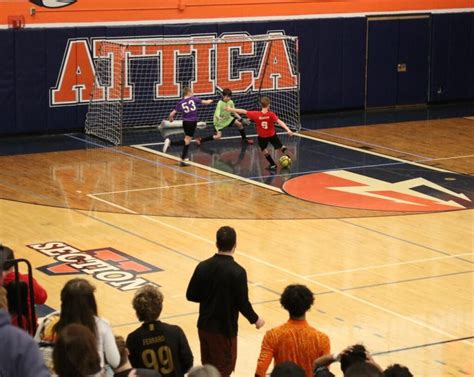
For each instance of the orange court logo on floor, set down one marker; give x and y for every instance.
(374, 191)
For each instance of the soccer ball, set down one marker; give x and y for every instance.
(285, 161)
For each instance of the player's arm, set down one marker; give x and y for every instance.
(206, 101)
(234, 110)
(172, 115)
(285, 127)
(265, 357)
(195, 289)
(232, 106)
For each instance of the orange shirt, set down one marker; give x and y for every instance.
(293, 341)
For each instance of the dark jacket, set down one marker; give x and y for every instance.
(219, 285)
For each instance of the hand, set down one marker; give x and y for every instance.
(260, 323)
(371, 360)
(227, 108)
(290, 133)
(171, 119)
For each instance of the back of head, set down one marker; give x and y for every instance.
(6, 254)
(356, 354)
(78, 305)
(363, 370)
(148, 303)
(297, 299)
(226, 239)
(288, 369)
(204, 371)
(187, 91)
(122, 348)
(75, 352)
(265, 102)
(397, 370)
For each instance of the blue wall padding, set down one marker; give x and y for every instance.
(332, 62)
(452, 57)
(7, 82)
(413, 50)
(382, 61)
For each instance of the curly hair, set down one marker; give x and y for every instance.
(356, 354)
(297, 299)
(397, 370)
(148, 303)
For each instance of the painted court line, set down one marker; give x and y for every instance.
(153, 188)
(212, 170)
(366, 143)
(423, 345)
(298, 276)
(389, 265)
(132, 156)
(375, 153)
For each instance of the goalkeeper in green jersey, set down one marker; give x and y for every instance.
(224, 118)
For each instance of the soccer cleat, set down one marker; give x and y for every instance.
(198, 141)
(166, 144)
(272, 167)
(248, 141)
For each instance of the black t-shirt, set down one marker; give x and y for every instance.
(161, 347)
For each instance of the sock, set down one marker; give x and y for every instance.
(242, 133)
(270, 159)
(185, 151)
(177, 142)
(283, 149)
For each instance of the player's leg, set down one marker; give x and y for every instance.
(241, 129)
(263, 143)
(189, 129)
(277, 144)
(219, 351)
(215, 136)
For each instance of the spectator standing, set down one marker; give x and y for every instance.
(295, 340)
(219, 285)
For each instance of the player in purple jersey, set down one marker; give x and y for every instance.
(188, 107)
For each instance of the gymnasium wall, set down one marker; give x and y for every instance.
(332, 60)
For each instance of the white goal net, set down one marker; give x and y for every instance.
(138, 82)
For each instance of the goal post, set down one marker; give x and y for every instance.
(139, 81)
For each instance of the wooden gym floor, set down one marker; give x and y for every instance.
(398, 279)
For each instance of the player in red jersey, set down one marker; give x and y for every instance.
(265, 122)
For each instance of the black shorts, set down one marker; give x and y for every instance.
(273, 140)
(189, 127)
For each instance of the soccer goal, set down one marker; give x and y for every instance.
(139, 81)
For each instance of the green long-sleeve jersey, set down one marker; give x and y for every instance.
(223, 118)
